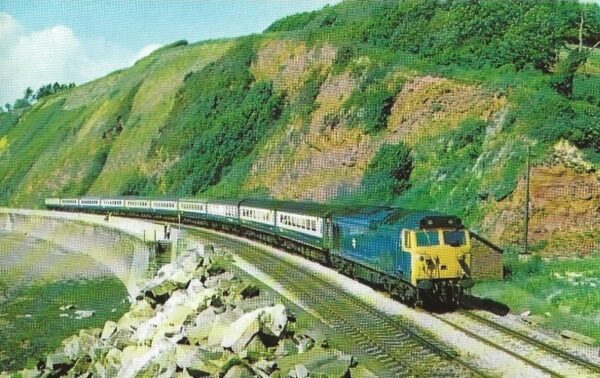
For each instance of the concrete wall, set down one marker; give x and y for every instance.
(125, 255)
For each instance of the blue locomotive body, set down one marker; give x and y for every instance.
(365, 239)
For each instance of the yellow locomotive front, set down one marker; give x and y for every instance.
(441, 259)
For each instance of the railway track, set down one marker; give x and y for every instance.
(398, 346)
(520, 345)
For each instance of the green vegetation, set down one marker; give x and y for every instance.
(560, 294)
(222, 107)
(370, 108)
(26, 339)
(389, 170)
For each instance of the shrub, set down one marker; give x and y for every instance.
(370, 108)
(294, 22)
(389, 170)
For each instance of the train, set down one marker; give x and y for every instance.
(419, 257)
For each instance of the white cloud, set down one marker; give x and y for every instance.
(145, 51)
(34, 58)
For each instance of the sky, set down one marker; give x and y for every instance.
(77, 41)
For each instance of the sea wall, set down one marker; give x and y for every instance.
(117, 243)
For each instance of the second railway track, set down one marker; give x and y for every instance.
(544, 357)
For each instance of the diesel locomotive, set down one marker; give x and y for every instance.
(419, 257)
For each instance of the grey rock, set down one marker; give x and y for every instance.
(286, 347)
(266, 366)
(238, 371)
(240, 332)
(299, 371)
(304, 342)
(83, 314)
(110, 328)
(121, 339)
(273, 320)
(58, 360)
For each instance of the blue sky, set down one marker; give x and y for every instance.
(60, 40)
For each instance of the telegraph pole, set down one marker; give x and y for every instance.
(528, 177)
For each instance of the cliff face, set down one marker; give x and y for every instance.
(302, 110)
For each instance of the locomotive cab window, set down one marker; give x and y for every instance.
(427, 238)
(455, 238)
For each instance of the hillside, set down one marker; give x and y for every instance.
(420, 103)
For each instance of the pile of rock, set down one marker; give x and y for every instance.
(571, 157)
(192, 319)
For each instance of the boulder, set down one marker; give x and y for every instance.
(265, 366)
(141, 310)
(114, 356)
(82, 345)
(201, 328)
(155, 361)
(299, 371)
(185, 355)
(256, 347)
(109, 329)
(216, 334)
(112, 371)
(58, 361)
(195, 286)
(240, 332)
(239, 371)
(249, 291)
(98, 370)
(286, 347)
(348, 359)
(189, 261)
(133, 353)
(67, 307)
(273, 320)
(83, 314)
(304, 343)
(81, 367)
(161, 291)
(72, 349)
(121, 339)
(181, 278)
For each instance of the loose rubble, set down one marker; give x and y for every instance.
(195, 319)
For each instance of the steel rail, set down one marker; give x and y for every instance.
(540, 344)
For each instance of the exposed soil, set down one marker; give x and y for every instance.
(564, 212)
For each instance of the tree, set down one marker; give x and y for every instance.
(28, 95)
(8, 107)
(562, 80)
(390, 169)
